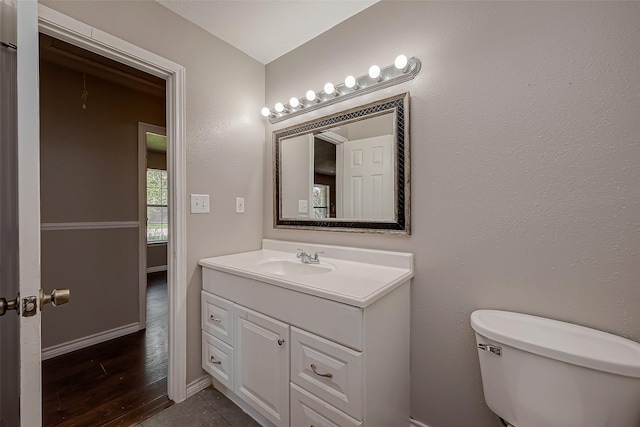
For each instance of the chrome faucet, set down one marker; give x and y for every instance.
(308, 259)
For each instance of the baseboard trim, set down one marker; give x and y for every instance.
(416, 423)
(198, 385)
(156, 269)
(69, 346)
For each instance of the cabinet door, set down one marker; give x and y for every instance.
(261, 353)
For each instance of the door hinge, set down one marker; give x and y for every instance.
(9, 45)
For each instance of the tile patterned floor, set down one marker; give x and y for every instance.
(208, 408)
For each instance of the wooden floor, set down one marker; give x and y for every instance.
(120, 382)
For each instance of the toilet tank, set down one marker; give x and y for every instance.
(539, 372)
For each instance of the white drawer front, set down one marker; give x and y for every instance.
(328, 370)
(217, 317)
(217, 359)
(309, 411)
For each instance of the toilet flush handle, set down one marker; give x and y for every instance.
(491, 348)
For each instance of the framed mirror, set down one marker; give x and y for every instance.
(346, 172)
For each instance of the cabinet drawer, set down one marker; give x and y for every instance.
(217, 359)
(328, 370)
(309, 411)
(217, 317)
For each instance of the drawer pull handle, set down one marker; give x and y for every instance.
(313, 368)
(280, 341)
(215, 362)
(214, 319)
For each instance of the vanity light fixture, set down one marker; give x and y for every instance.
(351, 82)
(403, 69)
(312, 96)
(330, 89)
(401, 63)
(375, 73)
(280, 108)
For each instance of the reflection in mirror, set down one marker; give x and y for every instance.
(345, 172)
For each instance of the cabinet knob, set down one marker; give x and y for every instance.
(215, 362)
(280, 341)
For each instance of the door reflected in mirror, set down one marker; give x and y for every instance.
(347, 172)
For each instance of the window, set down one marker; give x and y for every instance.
(157, 212)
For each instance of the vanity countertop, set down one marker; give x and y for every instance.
(352, 276)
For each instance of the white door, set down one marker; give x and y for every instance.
(29, 213)
(9, 323)
(22, 187)
(368, 180)
(261, 352)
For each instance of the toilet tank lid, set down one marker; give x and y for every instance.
(558, 340)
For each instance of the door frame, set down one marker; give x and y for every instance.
(70, 30)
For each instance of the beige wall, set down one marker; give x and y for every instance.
(157, 255)
(224, 132)
(100, 268)
(89, 173)
(89, 157)
(525, 170)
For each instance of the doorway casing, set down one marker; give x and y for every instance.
(72, 31)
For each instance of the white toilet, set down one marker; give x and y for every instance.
(539, 372)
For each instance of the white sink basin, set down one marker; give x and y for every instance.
(353, 276)
(285, 267)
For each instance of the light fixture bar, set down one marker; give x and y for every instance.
(389, 76)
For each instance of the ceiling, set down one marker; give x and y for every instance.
(266, 29)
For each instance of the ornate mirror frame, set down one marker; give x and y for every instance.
(399, 106)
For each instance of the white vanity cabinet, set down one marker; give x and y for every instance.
(253, 359)
(301, 357)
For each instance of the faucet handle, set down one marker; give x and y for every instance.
(315, 256)
(300, 253)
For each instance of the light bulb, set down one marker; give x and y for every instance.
(266, 112)
(401, 62)
(279, 107)
(330, 89)
(374, 72)
(294, 102)
(311, 95)
(351, 82)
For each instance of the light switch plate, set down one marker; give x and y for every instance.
(200, 203)
(239, 204)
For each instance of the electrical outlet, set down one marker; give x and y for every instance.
(239, 204)
(200, 203)
(303, 206)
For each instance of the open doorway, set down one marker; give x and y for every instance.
(90, 109)
(153, 208)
